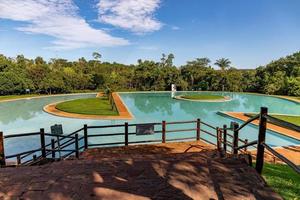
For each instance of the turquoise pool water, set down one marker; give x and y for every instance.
(27, 116)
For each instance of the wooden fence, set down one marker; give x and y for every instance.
(261, 141)
(80, 140)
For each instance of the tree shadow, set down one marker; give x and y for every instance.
(136, 172)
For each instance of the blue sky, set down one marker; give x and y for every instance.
(248, 32)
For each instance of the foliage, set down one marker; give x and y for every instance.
(223, 63)
(62, 76)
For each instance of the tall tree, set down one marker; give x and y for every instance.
(223, 63)
(97, 56)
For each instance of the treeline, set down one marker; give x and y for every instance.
(20, 75)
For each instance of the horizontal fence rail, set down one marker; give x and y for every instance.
(261, 143)
(62, 144)
(225, 139)
(45, 150)
(281, 157)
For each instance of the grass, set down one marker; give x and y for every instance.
(283, 180)
(13, 97)
(89, 106)
(288, 118)
(291, 119)
(202, 97)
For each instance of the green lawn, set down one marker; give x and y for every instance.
(291, 119)
(288, 118)
(283, 180)
(89, 106)
(202, 97)
(12, 97)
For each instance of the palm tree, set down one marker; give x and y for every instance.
(97, 56)
(223, 63)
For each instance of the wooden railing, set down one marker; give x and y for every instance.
(260, 142)
(82, 141)
(45, 150)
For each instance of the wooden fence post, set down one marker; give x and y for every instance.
(250, 159)
(19, 160)
(218, 139)
(42, 138)
(85, 133)
(261, 139)
(235, 138)
(126, 133)
(198, 130)
(225, 138)
(163, 132)
(2, 154)
(246, 142)
(76, 146)
(53, 148)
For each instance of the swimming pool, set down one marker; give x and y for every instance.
(26, 115)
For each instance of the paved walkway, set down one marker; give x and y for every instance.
(140, 172)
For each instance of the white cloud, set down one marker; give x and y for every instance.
(134, 15)
(175, 28)
(148, 48)
(58, 19)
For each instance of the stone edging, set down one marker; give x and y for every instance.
(225, 99)
(124, 113)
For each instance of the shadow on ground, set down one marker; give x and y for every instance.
(147, 172)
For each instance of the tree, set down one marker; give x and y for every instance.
(199, 62)
(167, 61)
(280, 76)
(97, 56)
(294, 86)
(223, 63)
